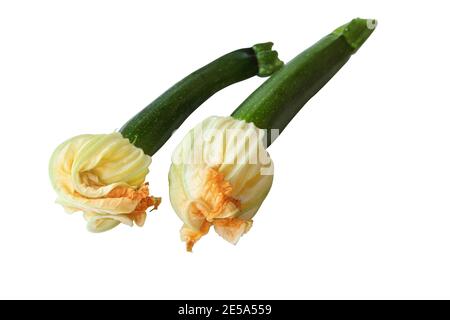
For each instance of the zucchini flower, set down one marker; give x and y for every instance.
(104, 175)
(220, 175)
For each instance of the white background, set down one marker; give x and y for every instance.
(360, 202)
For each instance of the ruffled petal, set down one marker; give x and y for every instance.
(102, 176)
(220, 175)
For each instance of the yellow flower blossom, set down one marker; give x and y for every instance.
(102, 175)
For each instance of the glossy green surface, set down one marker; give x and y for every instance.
(154, 125)
(278, 99)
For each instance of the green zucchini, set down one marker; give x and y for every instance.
(153, 126)
(280, 98)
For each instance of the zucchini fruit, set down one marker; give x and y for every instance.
(153, 126)
(103, 175)
(231, 172)
(280, 98)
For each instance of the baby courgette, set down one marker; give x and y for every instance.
(153, 126)
(278, 99)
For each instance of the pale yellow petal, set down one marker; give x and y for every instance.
(103, 176)
(220, 175)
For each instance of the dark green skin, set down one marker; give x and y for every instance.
(154, 125)
(280, 98)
